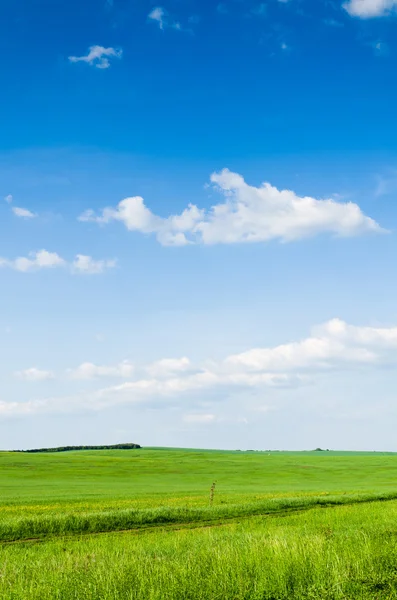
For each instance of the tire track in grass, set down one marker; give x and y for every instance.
(203, 524)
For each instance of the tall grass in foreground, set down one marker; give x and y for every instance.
(18, 526)
(340, 553)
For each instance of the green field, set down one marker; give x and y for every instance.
(137, 524)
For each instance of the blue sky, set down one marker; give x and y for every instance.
(198, 223)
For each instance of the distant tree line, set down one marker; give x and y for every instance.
(69, 448)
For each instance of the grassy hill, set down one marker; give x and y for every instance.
(108, 475)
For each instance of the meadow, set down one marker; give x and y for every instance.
(139, 524)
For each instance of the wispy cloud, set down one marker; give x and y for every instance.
(124, 370)
(34, 374)
(160, 16)
(380, 48)
(386, 184)
(167, 367)
(23, 213)
(331, 347)
(249, 214)
(43, 259)
(85, 264)
(98, 56)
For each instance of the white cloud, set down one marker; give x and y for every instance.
(331, 347)
(86, 264)
(166, 387)
(168, 366)
(366, 9)
(137, 217)
(37, 260)
(248, 214)
(160, 16)
(98, 56)
(128, 393)
(24, 213)
(50, 260)
(124, 370)
(34, 374)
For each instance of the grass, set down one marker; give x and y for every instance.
(108, 476)
(21, 526)
(126, 525)
(346, 552)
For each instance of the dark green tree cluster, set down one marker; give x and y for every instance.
(69, 448)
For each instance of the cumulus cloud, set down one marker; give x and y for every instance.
(98, 56)
(34, 374)
(248, 214)
(50, 260)
(8, 198)
(332, 345)
(88, 370)
(366, 9)
(37, 260)
(23, 213)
